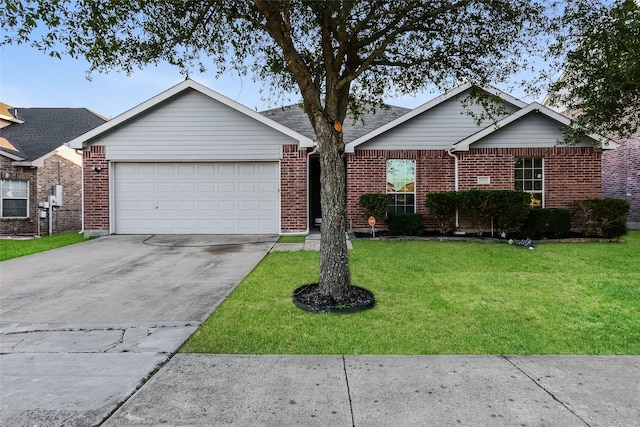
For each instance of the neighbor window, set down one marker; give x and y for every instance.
(529, 177)
(15, 198)
(401, 186)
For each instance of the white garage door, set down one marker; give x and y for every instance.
(196, 198)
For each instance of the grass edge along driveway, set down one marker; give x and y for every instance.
(443, 298)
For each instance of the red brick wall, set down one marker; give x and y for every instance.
(293, 189)
(571, 173)
(96, 191)
(367, 173)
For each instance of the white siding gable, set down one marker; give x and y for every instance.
(533, 130)
(193, 127)
(436, 128)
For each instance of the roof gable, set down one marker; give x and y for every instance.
(533, 108)
(177, 90)
(450, 132)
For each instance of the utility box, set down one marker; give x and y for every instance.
(57, 195)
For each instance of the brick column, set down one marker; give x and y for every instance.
(96, 191)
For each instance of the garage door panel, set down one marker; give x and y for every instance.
(196, 198)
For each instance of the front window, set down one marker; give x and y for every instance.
(401, 186)
(529, 177)
(15, 198)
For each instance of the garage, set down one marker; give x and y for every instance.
(192, 161)
(196, 198)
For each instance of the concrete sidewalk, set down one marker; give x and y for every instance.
(225, 390)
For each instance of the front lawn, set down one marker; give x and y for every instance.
(443, 298)
(10, 248)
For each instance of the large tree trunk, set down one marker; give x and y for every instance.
(335, 278)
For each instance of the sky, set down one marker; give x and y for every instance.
(31, 78)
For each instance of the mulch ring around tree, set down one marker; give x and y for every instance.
(308, 298)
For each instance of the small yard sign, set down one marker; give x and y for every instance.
(372, 223)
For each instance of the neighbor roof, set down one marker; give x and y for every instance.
(42, 130)
(294, 117)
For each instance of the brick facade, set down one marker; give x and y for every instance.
(621, 176)
(293, 190)
(570, 173)
(56, 170)
(96, 191)
(367, 173)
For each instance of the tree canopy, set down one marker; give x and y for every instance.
(339, 55)
(601, 78)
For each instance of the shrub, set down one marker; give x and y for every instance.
(406, 225)
(602, 217)
(374, 204)
(509, 209)
(475, 205)
(550, 222)
(442, 206)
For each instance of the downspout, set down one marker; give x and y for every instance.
(455, 172)
(306, 232)
(81, 194)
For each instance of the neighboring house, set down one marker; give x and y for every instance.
(34, 160)
(621, 176)
(191, 161)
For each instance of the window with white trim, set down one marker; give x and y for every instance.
(401, 186)
(529, 177)
(14, 198)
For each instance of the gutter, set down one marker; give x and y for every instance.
(81, 195)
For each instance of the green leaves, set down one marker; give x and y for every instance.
(601, 80)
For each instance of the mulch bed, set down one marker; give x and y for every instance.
(309, 299)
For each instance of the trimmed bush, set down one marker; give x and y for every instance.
(374, 204)
(510, 209)
(602, 217)
(442, 206)
(406, 225)
(476, 206)
(550, 223)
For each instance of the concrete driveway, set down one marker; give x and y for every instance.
(82, 326)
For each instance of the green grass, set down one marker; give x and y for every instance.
(292, 239)
(17, 248)
(443, 298)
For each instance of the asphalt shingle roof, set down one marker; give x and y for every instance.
(294, 117)
(45, 129)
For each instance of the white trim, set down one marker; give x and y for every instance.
(11, 156)
(10, 119)
(544, 176)
(350, 147)
(534, 107)
(84, 140)
(27, 198)
(63, 151)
